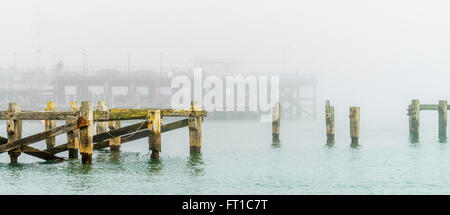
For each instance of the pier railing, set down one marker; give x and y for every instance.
(79, 126)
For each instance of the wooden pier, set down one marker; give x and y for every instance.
(79, 126)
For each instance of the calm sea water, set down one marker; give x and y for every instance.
(238, 158)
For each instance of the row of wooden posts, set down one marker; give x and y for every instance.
(413, 112)
(79, 126)
(329, 120)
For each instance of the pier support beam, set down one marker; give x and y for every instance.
(14, 130)
(154, 138)
(414, 120)
(73, 137)
(354, 124)
(50, 124)
(101, 127)
(329, 120)
(195, 131)
(276, 120)
(86, 133)
(114, 143)
(442, 109)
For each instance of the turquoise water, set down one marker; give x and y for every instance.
(238, 158)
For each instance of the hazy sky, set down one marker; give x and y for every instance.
(365, 52)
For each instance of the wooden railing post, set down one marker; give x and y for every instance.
(354, 124)
(73, 137)
(154, 138)
(442, 109)
(276, 121)
(329, 120)
(114, 143)
(49, 124)
(414, 120)
(14, 130)
(86, 133)
(195, 131)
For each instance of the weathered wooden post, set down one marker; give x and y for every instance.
(73, 137)
(154, 138)
(329, 120)
(195, 131)
(49, 124)
(276, 119)
(101, 127)
(114, 143)
(414, 119)
(442, 109)
(14, 130)
(86, 133)
(354, 124)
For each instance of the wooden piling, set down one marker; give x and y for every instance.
(101, 127)
(442, 109)
(50, 124)
(86, 133)
(14, 130)
(195, 131)
(329, 120)
(114, 143)
(276, 120)
(354, 124)
(154, 138)
(414, 119)
(73, 137)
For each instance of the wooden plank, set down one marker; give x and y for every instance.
(41, 115)
(428, 107)
(129, 114)
(14, 131)
(87, 133)
(38, 137)
(50, 124)
(144, 133)
(3, 140)
(133, 132)
(40, 154)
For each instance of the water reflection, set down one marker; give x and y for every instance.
(15, 169)
(74, 167)
(80, 175)
(195, 165)
(155, 166)
(114, 156)
(355, 145)
(330, 142)
(276, 144)
(413, 140)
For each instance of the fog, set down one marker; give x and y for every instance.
(374, 54)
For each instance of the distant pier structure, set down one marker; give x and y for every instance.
(149, 87)
(117, 88)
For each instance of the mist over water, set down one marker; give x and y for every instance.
(377, 55)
